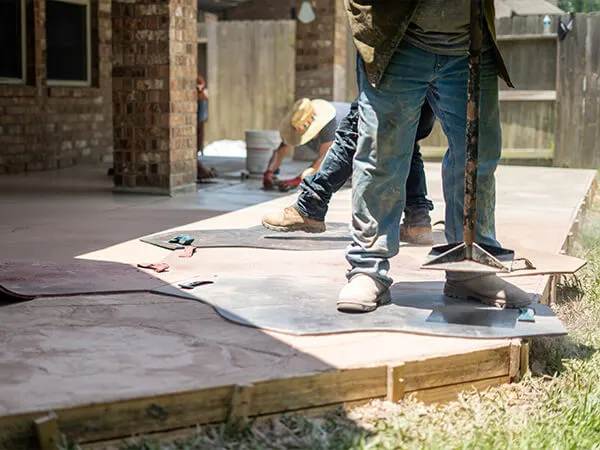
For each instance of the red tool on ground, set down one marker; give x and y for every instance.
(158, 267)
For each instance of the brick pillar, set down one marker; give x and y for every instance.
(321, 52)
(154, 95)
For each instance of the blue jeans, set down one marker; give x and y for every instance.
(336, 168)
(388, 119)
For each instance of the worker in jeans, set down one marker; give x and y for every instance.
(308, 213)
(412, 52)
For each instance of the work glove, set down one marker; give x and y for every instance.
(270, 181)
(287, 185)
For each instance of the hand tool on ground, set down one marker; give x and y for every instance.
(469, 256)
(526, 315)
(182, 239)
(158, 267)
(193, 284)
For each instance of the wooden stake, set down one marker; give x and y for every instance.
(46, 428)
(241, 399)
(524, 366)
(395, 383)
(514, 371)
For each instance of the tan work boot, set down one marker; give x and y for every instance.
(416, 226)
(291, 220)
(488, 289)
(363, 294)
(416, 235)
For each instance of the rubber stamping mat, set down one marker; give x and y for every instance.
(336, 236)
(307, 306)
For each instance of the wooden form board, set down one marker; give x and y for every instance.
(431, 380)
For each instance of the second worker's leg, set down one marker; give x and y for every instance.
(308, 214)
(416, 227)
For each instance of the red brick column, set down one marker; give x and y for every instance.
(321, 52)
(154, 98)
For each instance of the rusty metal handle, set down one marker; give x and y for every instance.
(473, 90)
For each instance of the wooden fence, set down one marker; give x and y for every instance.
(578, 95)
(527, 112)
(250, 75)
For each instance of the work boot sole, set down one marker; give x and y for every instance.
(382, 299)
(454, 291)
(296, 227)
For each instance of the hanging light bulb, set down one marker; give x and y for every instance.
(307, 13)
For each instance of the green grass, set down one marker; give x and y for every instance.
(557, 406)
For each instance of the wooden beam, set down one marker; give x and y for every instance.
(526, 96)
(448, 393)
(295, 393)
(526, 37)
(436, 379)
(456, 369)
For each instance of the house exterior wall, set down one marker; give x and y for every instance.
(48, 127)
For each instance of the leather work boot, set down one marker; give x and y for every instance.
(416, 235)
(291, 220)
(416, 227)
(488, 289)
(363, 294)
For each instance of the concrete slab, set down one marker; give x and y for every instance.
(74, 351)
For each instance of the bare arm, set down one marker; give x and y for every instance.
(277, 158)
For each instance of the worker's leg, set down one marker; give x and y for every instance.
(448, 98)
(335, 170)
(388, 119)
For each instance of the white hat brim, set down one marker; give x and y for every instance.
(325, 113)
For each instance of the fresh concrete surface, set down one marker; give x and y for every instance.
(58, 215)
(66, 351)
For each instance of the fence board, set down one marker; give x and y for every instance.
(578, 95)
(251, 72)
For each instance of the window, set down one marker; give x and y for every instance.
(68, 35)
(12, 38)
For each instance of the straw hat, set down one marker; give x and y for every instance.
(306, 119)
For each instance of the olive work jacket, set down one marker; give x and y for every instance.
(378, 26)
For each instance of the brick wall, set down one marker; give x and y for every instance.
(321, 53)
(154, 78)
(262, 10)
(45, 127)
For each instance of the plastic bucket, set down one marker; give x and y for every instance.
(259, 147)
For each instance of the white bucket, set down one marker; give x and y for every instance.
(259, 147)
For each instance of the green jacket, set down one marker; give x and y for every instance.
(378, 26)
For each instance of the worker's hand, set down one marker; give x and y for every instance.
(270, 181)
(308, 172)
(287, 185)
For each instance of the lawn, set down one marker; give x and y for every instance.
(556, 406)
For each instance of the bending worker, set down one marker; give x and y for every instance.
(308, 213)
